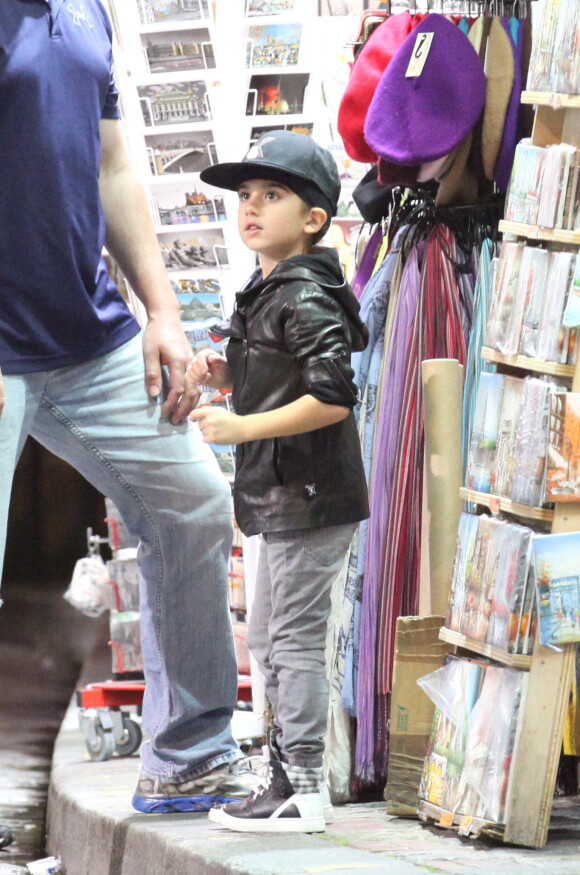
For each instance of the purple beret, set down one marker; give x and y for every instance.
(416, 119)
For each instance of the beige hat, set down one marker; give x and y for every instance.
(499, 69)
(457, 182)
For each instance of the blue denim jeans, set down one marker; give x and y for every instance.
(168, 488)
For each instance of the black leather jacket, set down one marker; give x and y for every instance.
(291, 335)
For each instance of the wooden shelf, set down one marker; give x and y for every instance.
(513, 660)
(552, 99)
(534, 232)
(499, 502)
(525, 363)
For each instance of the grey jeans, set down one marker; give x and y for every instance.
(287, 632)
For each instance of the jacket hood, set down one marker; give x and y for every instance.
(321, 264)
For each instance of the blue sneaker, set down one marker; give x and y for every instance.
(227, 783)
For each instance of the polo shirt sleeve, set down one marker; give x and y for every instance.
(111, 105)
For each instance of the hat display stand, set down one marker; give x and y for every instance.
(386, 113)
(547, 672)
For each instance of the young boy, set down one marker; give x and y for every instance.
(299, 477)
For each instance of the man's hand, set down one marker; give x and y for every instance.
(209, 368)
(1, 392)
(219, 426)
(164, 343)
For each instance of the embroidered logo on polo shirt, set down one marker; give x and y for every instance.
(80, 16)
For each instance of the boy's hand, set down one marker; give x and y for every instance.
(219, 426)
(209, 368)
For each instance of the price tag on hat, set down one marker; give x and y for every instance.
(420, 54)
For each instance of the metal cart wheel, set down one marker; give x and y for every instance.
(130, 740)
(101, 745)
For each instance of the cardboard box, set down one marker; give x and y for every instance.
(418, 651)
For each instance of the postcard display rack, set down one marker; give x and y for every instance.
(549, 671)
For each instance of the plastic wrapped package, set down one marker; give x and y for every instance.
(531, 442)
(540, 67)
(484, 431)
(123, 584)
(468, 760)
(466, 535)
(536, 261)
(490, 740)
(565, 68)
(504, 459)
(504, 294)
(554, 336)
(88, 590)
(126, 642)
(119, 535)
(454, 690)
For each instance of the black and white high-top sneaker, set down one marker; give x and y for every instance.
(273, 807)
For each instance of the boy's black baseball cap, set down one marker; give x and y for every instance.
(295, 160)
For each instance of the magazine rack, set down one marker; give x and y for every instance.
(542, 717)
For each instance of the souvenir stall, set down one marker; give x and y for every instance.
(458, 318)
(456, 134)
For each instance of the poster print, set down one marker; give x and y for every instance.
(175, 103)
(277, 95)
(557, 562)
(160, 11)
(188, 152)
(174, 51)
(273, 45)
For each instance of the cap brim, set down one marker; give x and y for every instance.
(231, 175)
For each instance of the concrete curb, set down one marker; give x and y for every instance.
(94, 830)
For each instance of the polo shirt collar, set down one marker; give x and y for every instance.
(55, 6)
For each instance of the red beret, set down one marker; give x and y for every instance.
(364, 77)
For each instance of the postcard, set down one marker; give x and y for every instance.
(161, 11)
(186, 250)
(186, 205)
(188, 152)
(174, 51)
(200, 306)
(269, 7)
(273, 45)
(273, 94)
(174, 103)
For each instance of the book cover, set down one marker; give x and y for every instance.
(557, 574)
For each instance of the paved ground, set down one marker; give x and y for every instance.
(44, 646)
(94, 829)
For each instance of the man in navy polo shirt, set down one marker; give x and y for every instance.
(79, 376)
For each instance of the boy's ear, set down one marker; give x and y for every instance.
(316, 220)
